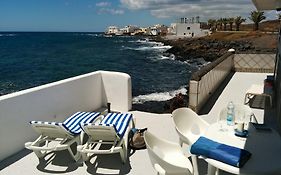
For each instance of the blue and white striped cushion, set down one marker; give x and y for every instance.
(120, 121)
(72, 124)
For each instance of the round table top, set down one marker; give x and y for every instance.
(265, 147)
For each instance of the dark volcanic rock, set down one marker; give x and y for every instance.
(208, 49)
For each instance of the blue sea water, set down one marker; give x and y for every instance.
(32, 59)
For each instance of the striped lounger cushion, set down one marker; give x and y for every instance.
(72, 123)
(120, 122)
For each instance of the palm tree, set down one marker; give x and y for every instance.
(219, 22)
(224, 21)
(257, 17)
(211, 23)
(238, 21)
(230, 22)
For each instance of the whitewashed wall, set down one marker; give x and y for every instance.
(56, 101)
(201, 90)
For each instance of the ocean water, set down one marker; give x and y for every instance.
(32, 59)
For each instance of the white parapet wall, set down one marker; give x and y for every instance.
(205, 82)
(56, 101)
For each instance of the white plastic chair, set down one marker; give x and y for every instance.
(167, 157)
(112, 131)
(189, 127)
(240, 111)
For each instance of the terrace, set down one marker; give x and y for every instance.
(227, 84)
(210, 89)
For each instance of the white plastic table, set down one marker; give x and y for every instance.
(265, 147)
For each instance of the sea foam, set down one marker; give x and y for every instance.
(158, 96)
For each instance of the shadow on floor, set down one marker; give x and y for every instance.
(213, 98)
(58, 162)
(107, 164)
(61, 162)
(14, 158)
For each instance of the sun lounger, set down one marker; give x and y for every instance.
(55, 136)
(257, 90)
(108, 137)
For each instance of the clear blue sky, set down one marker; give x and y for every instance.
(95, 15)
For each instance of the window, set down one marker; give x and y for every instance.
(188, 28)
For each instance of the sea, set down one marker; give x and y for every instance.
(29, 59)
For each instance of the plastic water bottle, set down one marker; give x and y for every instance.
(230, 114)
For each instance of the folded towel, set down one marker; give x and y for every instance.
(221, 152)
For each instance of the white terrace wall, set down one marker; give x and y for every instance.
(203, 85)
(56, 101)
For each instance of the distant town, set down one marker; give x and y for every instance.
(184, 27)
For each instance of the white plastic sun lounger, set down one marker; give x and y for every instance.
(55, 136)
(112, 131)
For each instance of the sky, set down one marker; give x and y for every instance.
(97, 15)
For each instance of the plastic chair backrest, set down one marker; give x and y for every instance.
(158, 150)
(188, 124)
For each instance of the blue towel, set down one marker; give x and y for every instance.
(224, 153)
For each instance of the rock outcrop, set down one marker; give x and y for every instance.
(210, 49)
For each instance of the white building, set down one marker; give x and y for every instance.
(112, 30)
(190, 28)
(129, 29)
(172, 29)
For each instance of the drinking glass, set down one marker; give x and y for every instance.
(240, 120)
(222, 124)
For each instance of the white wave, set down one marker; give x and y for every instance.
(170, 57)
(7, 35)
(159, 96)
(148, 42)
(145, 40)
(160, 48)
(198, 63)
(95, 35)
(155, 43)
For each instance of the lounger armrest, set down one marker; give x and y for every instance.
(29, 145)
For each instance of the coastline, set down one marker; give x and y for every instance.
(214, 46)
(208, 48)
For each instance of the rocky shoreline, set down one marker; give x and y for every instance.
(209, 49)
